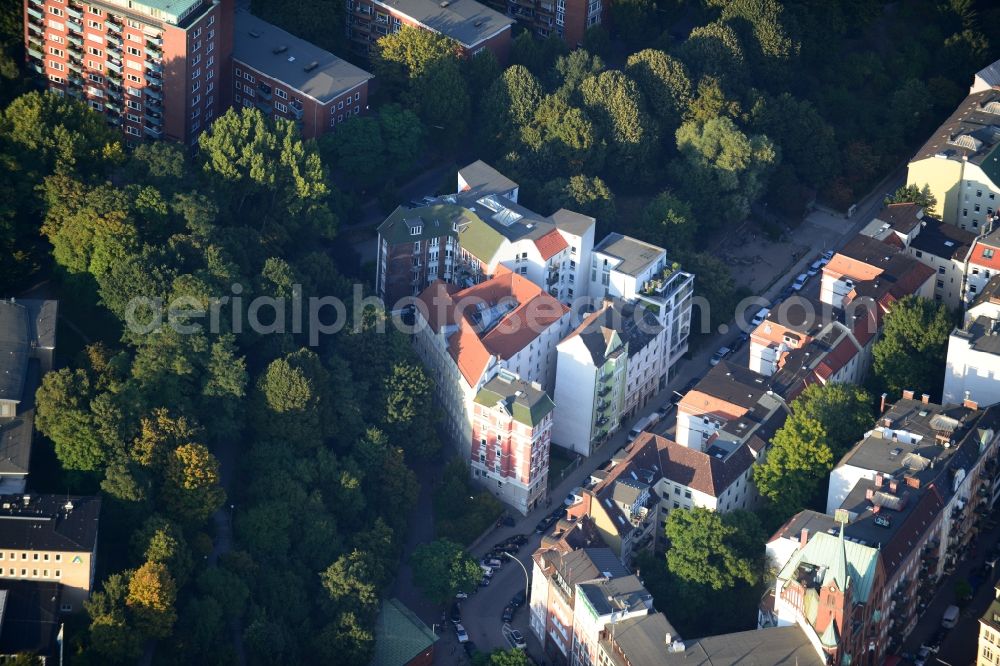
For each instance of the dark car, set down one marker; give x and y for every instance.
(484, 582)
(456, 613)
(509, 521)
(549, 520)
(508, 613)
(518, 600)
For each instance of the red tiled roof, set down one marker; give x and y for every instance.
(837, 358)
(980, 259)
(550, 244)
(894, 241)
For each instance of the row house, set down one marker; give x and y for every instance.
(943, 247)
(473, 26)
(984, 263)
(606, 369)
(973, 361)
(151, 68)
(467, 337)
(27, 346)
(511, 434)
(729, 404)
(287, 77)
(50, 538)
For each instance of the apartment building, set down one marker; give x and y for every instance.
(287, 77)
(988, 653)
(511, 434)
(730, 404)
(984, 263)
(30, 622)
(50, 538)
(606, 369)
(152, 68)
(27, 346)
(566, 19)
(943, 247)
(973, 366)
(829, 588)
(489, 229)
(869, 268)
(467, 337)
(633, 270)
(958, 163)
(472, 25)
(918, 447)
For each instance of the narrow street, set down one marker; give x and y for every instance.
(481, 613)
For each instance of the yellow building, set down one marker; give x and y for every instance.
(989, 634)
(50, 538)
(960, 165)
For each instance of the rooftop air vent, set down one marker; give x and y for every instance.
(445, 3)
(254, 34)
(280, 49)
(311, 66)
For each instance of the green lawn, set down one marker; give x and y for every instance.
(560, 460)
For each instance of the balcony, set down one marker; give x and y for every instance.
(114, 76)
(75, 93)
(38, 67)
(36, 29)
(154, 119)
(154, 75)
(604, 391)
(35, 14)
(74, 25)
(602, 406)
(75, 13)
(153, 50)
(74, 66)
(601, 422)
(114, 66)
(153, 94)
(36, 53)
(153, 66)
(114, 121)
(38, 3)
(266, 107)
(113, 25)
(114, 41)
(75, 51)
(154, 132)
(295, 108)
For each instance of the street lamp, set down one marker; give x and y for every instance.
(527, 578)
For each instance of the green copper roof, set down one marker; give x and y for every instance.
(399, 635)
(433, 221)
(837, 573)
(480, 239)
(525, 403)
(824, 550)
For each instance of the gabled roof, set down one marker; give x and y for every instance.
(15, 349)
(551, 244)
(634, 326)
(399, 635)
(774, 646)
(824, 549)
(903, 217)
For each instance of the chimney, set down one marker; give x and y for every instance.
(881, 409)
(804, 537)
(925, 398)
(907, 394)
(968, 403)
(893, 485)
(878, 480)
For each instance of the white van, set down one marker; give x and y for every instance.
(950, 617)
(644, 424)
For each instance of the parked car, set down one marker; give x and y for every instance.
(517, 600)
(826, 257)
(816, 267)
(675, 397)
(485, 582)
(461, 595)
(922, 656)
(456, 613)
(508, 614)
(950, 617)
(800, 281)
(721, 353)
(759, 318)
(491, 564)
(785, 293)
(461, 634)
(517, 640)
(574, 497)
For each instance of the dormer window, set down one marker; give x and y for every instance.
(416, 231)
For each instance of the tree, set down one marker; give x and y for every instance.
(226, 588)
(795, 467)
(191, 490)
(83, 440)
(844, 411)
(112, 633)
(635, 21)
(914, 344)
(581, 194)
(702, 550)
(442, 568)
(353, 581)
(619, 109)
(263, 166)
(151, 596)
(665, 83)
(159, 434)
(563, 140)
(293, 401)
(161, 540)
(912, 193)
(509, 103)
(669, 222)
(571, 69)
(407, 54)
(715, 50)
(510, 657)
(410, 410)
(358, 151)
(807, 141)
(440, 97)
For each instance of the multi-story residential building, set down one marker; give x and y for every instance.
(473, 26)
(633, 270)
(50, 538)
(916, 448)
(488, 229)
(511, 434)
(30, 622)
(567, 19)
(973, 369)
(782, 646)
(606, 369)
(867, 268)
(629, 498)
(287, 77)
(152, 68)
(984, 263)
(988, 653)
(27, 345)
(467, 337)
(943, 247)
(830, 588)
(730, 404)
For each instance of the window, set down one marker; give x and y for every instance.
(131, 50)
(58, 66)
(59, 53)
(134, 79)
(987, 253)
(211, 20)
(197, 45)
(357, 110)
(979, 193)
(281, 93)
(195, 114)
(919, 254)
(133, 24)
(95, 78)
(196, 59)
(211, 61)
(211, 34)
(134, 118)
(210, 74)
(44, 557)
(340, 106)
(210, 87)
(195, 100)
(93, 64)
(96, 25)
(132, 104)
(58, 572)
(55, 11)
(965, 212)
(95, 51)
(687, 494)
(68, 608)
(976, 208)
(281, 107)
(239, 72)
(96, 11)
(248, 77)
(940, 284)
(195, 86)
(196, 73)
(940, 270)
(134, 38)
(57, 39)
(357, 97)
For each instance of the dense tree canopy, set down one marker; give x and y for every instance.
(913, 347)
(442, 568)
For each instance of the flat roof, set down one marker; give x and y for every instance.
(635, 255)
(943, 240)
(775, 646)
(983, 334)
(66, 523)
(484, 179)
(29, 617)
(466, 21)
(15, 349)
(299, 64)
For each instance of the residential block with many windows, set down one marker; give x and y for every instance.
(151, 67)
